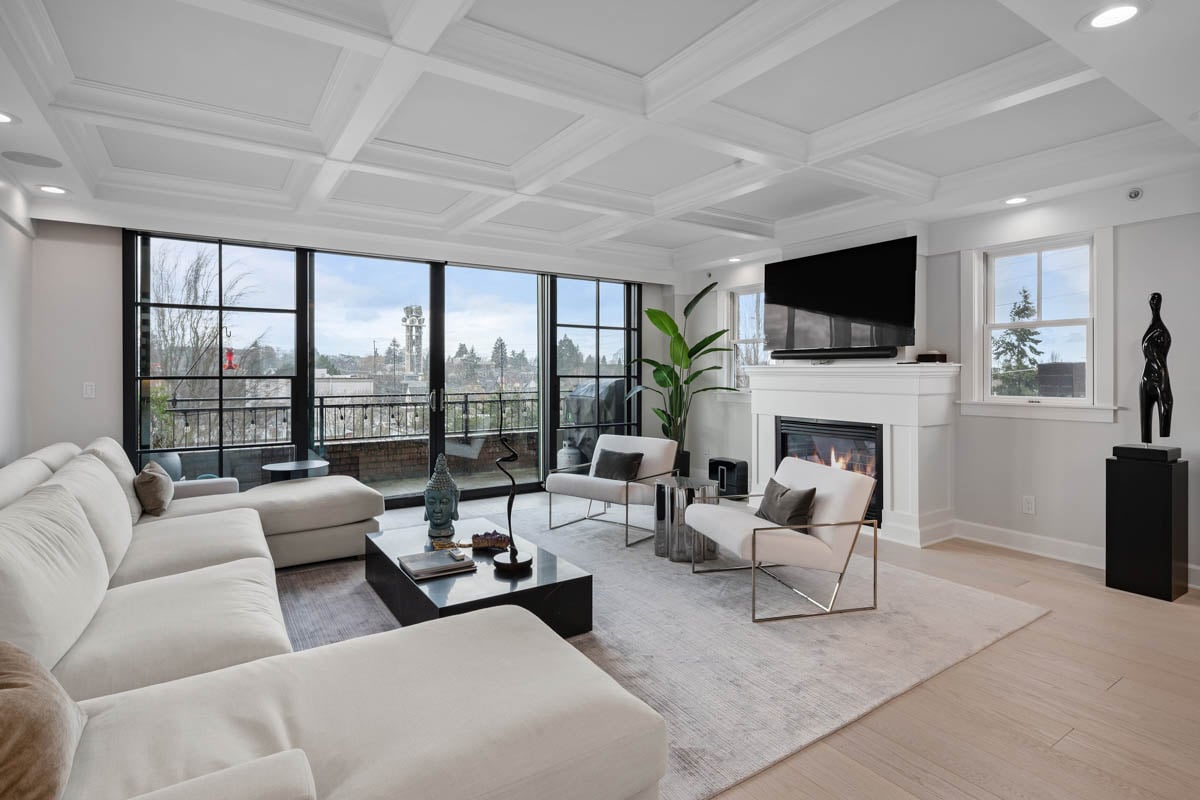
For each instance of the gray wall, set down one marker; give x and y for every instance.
(16, 280)
(76, 333)
(1062, 463)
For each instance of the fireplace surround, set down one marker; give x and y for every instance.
(854, 446)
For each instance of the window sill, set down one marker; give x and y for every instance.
(740, 396)
(1062, 412)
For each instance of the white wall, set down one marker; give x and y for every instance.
(75, 333)
(1062, 463)
(16, 275)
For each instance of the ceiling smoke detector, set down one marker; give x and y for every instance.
(1135, 193)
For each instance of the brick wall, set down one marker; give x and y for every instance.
(389, 459)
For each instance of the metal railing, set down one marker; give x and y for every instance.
(195, 422)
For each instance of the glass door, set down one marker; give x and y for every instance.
(491, 376)
(376, 368)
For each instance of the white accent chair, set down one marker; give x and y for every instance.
(826, 543)
(658, 459)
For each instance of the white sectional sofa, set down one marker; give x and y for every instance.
(170, 636)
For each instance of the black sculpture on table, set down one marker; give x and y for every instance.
(510, 561)
(1155, 389)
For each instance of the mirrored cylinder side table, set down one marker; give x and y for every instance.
(673, 538)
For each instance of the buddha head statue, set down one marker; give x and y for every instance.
(441, 500)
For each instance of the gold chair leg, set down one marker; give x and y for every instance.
(826, 610)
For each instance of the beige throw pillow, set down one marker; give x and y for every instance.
(41, 729)
(154, 488)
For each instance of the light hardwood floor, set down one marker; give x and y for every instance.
(1098, 699)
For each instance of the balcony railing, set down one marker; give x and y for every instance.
(194, 422)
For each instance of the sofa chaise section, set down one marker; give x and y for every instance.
(375, 722)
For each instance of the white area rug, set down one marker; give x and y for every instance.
(737, 696)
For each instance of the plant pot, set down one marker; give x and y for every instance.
(683, 463)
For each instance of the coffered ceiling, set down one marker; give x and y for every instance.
(629, 136)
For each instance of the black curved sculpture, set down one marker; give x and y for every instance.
(1155, 388)
(510, 561)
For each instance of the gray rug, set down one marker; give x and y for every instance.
(737, 696)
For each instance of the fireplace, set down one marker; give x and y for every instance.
(846, 445)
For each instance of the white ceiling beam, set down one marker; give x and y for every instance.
(878, 176)
(1020, 78)
(717, 254)
(426, 21)
(300, 23)
(495, 208)
(397, 73)
(578, 147)
(729, 224)
(765, 35)
(321, 187)
(741, 135)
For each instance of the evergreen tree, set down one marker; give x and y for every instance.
(569, 357)
(1015, 353)
(500, 358)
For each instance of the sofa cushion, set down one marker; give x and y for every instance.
(731, 526)
(784, 505)
(282, 776)
(556, 729)
(177, 625)
(297, 505)
(658, 455)
(52, 573)
(97, 490)
(601, 489)
(617, 466)
(154, 489)
(55, 456)
(41, 728)
(109, 451)
(17, 478)
(171, 546)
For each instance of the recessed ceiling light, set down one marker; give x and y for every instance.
(1016, 201)
(734, 260)
(8, 119)
(51, 189)
(1112, 15)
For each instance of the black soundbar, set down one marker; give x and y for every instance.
(823, 353)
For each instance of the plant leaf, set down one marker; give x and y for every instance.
(642, 388)
(687, 311)
(715, 389)
(706, 341)
(644, 360)
(700, 372)
(665, 377)
(666, 431)
(658, 412)
(713, 350)
(679, 352)
(662, 320)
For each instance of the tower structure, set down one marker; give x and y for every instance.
(414, 335)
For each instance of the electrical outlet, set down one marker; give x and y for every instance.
(1028, 506)
(89, 390)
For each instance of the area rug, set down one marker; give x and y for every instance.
(737, 696)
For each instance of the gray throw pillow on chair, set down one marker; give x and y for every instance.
(617, 466)
(785, 506)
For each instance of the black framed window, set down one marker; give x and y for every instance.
(595, 331)
(216, 329)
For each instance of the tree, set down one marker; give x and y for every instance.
(470, 367)
(1015, 352)
(461, 352)
(569, 357)
(519, 361)
(500, 357)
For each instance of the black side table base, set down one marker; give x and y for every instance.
(1146, 547)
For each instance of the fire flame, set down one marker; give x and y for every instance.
(865, 465)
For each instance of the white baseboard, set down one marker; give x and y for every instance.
(1089, 555)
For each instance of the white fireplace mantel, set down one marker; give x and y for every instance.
(913, 402)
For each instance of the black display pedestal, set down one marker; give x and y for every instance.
(1147, 508)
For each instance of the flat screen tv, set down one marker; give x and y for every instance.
(855, 303)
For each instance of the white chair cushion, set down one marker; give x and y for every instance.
(55, 456)
(283, 776)
(732, 527)
(95, 487)
(658, 455)
(364, 713)
(174, 626)
(601, 489)
(17, 478)
(52, 573)
(842, 495)
(168, 547)
(109, 451)
(290, 506)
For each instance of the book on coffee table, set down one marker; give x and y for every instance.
(422, 566)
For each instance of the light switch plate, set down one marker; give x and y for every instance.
(89, 390)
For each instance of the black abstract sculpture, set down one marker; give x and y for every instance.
(1155, 389)
(511, 560)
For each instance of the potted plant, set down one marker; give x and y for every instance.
(676, 379)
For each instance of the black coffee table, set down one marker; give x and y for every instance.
(554, 589)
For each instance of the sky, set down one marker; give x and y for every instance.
(1066, 277)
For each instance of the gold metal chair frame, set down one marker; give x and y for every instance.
(755, 567)
(600, 517)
